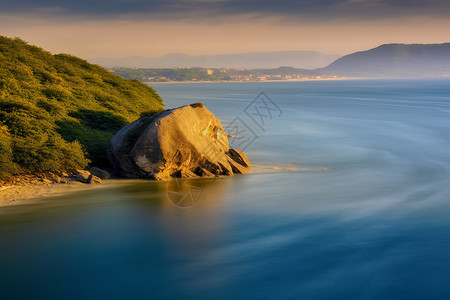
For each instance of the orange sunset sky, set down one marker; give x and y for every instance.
(118, 28)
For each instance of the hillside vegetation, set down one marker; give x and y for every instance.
(58, 112)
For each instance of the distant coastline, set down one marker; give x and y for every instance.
(261, 81)
(396, 61)
(300, 80)
(217, 74)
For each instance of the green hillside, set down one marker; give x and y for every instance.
(58, 112)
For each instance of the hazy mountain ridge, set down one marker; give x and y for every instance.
(384, 61)
(251, 60)
(394, 60)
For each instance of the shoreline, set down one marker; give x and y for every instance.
(25, 189)
(31, 190)
(261, 81)
(299, 80)
(12, 194)
(18, 194)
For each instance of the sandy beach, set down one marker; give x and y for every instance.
(24, 193)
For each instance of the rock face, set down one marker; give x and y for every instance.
(188, 141)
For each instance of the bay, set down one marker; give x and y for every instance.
(348, 199)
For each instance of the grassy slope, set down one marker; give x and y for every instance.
(58, 112)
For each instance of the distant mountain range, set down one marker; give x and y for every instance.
(252, 60)
(385, 61)
(394, 60)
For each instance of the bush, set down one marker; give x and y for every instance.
(7, 166)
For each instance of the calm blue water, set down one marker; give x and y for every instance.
(349, 200)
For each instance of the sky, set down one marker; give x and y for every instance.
(120, 28)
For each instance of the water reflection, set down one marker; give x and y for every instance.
(175, 194)
(182, 224)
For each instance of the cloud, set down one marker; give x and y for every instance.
(198, 10)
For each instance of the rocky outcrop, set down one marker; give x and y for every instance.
(188, 141)
(86, 177)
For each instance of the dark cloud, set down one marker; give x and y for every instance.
(208, 9)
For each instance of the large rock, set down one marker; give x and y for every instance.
(183, 142)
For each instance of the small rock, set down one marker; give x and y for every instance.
(84, 172)
(94, 179)
(46, 181)
(102, 174)
(83, 176)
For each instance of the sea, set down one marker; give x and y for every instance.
(348, 198)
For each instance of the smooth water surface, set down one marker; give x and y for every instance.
(349, 199)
